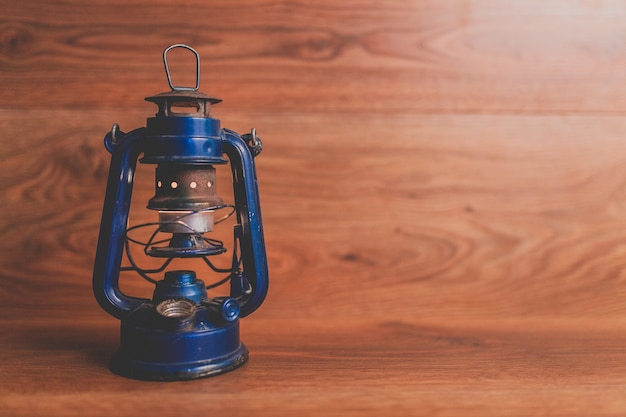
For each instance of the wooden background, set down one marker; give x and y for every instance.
(443, 188)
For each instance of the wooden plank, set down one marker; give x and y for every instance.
(481, 56)
(453, 216)
(352, 368)
(442, 186)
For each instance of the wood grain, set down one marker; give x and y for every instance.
(443, 188)
(403, 56)
(396, 368)
(473, 213)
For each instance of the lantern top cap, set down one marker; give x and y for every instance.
(188, 95)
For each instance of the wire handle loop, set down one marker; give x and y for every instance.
(167, 69)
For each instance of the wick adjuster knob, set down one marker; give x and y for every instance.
(225, 307)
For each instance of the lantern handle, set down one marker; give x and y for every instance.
(167, 68)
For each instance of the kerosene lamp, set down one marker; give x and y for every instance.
(183, 331)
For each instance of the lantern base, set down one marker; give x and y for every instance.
(147, 371)
(153, 350)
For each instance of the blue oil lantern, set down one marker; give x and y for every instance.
(181, 332)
